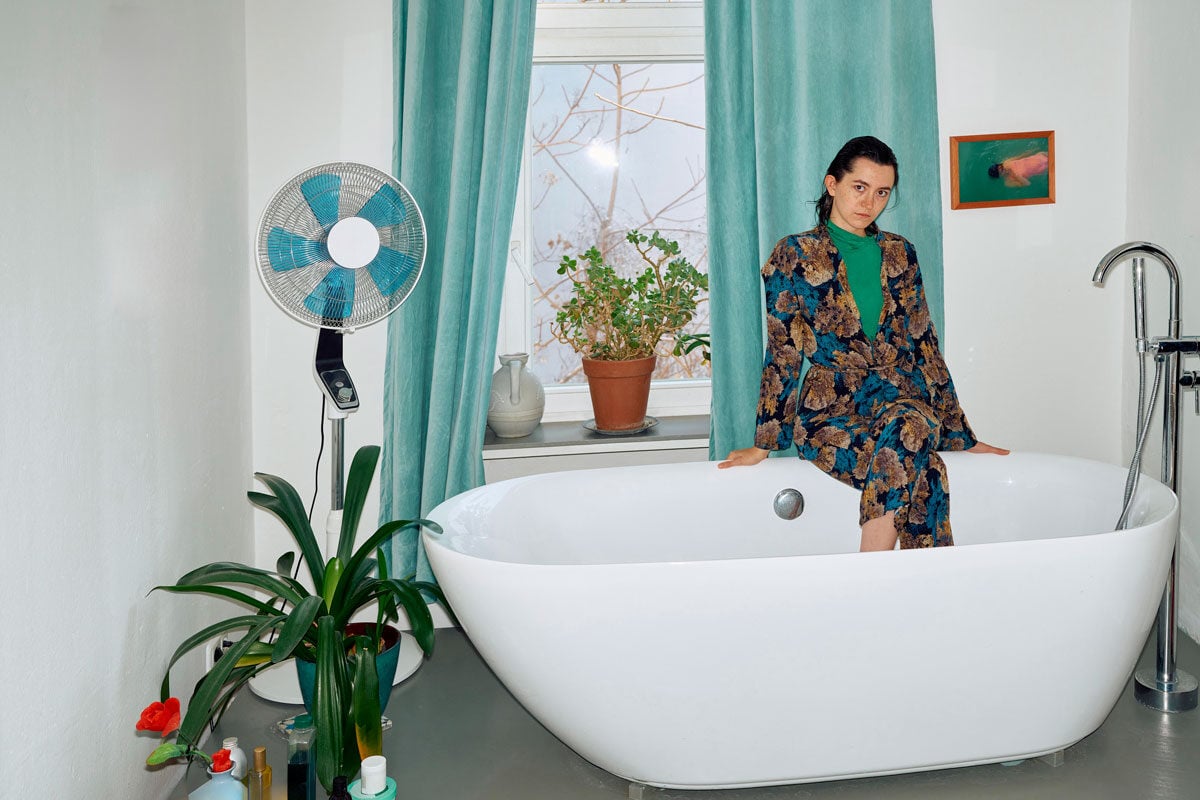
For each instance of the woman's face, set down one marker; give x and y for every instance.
(861, 195)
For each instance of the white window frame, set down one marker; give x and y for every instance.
(576, 33)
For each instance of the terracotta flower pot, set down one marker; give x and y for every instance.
(620, 391)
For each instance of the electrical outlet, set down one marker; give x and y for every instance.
(213, 649)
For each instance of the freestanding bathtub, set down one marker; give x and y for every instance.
(667, 626)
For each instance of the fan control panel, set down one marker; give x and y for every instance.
(331, 371)
(340, 389)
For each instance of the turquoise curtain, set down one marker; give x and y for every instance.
(787, 82)
(462, 75)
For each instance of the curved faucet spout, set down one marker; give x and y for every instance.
(1129, 250)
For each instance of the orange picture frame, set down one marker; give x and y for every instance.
(1002, 169)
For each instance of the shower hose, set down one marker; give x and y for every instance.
(1143, 419)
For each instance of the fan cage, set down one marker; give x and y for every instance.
(290, 211)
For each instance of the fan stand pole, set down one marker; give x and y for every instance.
(337, 485)
(334, 380)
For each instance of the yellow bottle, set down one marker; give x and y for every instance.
(259, 776)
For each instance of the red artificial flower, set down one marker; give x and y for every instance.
(160, 716)
(221, 761)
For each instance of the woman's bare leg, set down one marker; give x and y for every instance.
(879, 533)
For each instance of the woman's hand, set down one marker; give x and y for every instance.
(746, 457)
(980, 447)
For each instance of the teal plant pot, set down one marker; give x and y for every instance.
(385, 664)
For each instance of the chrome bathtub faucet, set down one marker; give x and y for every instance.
(1165, 687)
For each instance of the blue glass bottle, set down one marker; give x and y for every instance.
(301, 766)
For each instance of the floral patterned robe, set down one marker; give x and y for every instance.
(871, 413)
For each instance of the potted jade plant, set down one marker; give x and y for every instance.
(288, 621)
(616, 322)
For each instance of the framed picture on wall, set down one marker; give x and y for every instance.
(1002, 169)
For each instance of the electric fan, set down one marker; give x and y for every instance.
(340, 246)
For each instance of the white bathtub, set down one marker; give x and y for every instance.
(668, 627)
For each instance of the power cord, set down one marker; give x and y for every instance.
(317, 467)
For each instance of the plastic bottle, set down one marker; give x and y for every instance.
(374, 784)
(301, 766)
(238, 756)
(220, 786)
(339, 789)
(259, 776)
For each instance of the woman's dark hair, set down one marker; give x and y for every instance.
(994, 171)
(859, 147)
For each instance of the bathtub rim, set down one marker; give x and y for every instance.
(446, 539)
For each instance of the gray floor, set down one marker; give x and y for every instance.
(459, 735)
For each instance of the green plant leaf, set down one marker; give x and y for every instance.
(436, 591)
(364, 571)
(339, 607)
(165, 752)
(333, 579)
(298, 625)
(219, 591)
(285, 563)
(237, 680)
(331, 692)
(415, 607)
(240, 574)
(201, 637)
(358, 483)
(259, 653)
(286, 505)
(368, 726)
(387, 604)
(202, 705)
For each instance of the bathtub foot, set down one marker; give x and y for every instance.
(1055, 759)
(637, 791)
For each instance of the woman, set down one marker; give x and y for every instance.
(1018, 170)
(877, 402)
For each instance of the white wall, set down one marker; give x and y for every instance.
(1164, 209)
(124, 334)
(1034, 348)
(319, 89)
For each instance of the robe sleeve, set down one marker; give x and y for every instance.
(784, 358)
(929, 367)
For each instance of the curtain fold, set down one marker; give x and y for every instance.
(462, 75)
(786, 84)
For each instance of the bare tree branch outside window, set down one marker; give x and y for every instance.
(614, 147)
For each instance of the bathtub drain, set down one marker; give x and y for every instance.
(789, 504)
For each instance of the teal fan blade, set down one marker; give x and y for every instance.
(290, 251)
(334, 296)
(391, 269)
(323, 193)
(384, 208)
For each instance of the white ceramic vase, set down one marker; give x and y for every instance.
(518, 399)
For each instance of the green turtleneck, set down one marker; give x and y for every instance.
(863, 260)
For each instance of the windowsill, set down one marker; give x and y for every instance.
(568, 438)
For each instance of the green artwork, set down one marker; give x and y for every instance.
(999, 170)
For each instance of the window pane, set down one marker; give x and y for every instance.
(614, 147)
